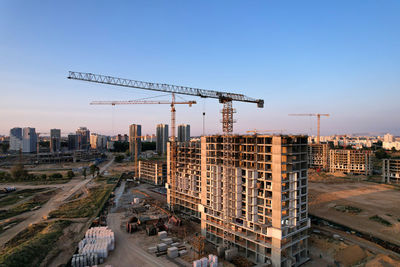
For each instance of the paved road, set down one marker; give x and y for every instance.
(33, 217)
(127, 252)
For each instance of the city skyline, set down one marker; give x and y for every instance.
(329, 58)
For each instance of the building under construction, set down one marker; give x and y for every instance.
(350, 161)
(318, 156)
(153, 171)
(391, 171)
(262, 211)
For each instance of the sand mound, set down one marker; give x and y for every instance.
(382, 261)
(350, 255)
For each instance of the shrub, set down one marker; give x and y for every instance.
(18, 172)
(380, 220)
(119, 158)
(56, 175)
(70, 174)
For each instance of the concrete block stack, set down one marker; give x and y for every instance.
(94, 248)
(173, 252)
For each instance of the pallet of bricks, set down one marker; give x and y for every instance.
(94, 248)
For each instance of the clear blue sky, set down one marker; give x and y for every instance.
(337, 57)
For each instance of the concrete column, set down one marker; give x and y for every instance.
(276, 200)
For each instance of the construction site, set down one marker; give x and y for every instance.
(218, 200)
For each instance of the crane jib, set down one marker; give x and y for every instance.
(222, 96)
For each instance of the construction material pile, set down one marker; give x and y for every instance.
(94, 248)
(211, 261)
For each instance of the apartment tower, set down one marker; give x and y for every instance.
(55, 140)
(29, 140)
(183, 133)
(83, 135)
(16, 139)
(135, 130)
(162, 138)
(266, 203)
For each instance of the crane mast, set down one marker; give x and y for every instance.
(224, 98)
(133, 102)
(318, 115)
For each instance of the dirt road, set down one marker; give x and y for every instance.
(33, 217)
(127, 251)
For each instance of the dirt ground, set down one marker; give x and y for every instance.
(119, 168)
(373, 199)
(327, 251)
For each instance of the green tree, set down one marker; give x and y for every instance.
(97, 171)
(119, 158)
(84, 173)
(56, 175)
(394, 149)
(70, 174)
(381, 154)
(4, 147)
(92, 169)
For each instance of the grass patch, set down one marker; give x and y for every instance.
(380, 220)
(84, 207)
(349, 209)
(9, 223)
(37, 200)
(30, 247)
(14, 197)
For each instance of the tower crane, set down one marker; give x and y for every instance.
(318, 115)
(226, 99)
(135, 102)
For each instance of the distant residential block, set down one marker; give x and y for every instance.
(29, 140)
(55, 140)
(350, 161)
(391, 171)
(162, 138)
(16, 139)
(318, 156)
(183, 133)
(73, 142)
(83, 138)
(390, 145)
(154, 172)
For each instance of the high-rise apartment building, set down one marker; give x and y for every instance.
(16, 139)
(29, 140)
(183, 133)
(135, 130)
(258, 205)
(73, 142)
(162, 138)
(83, 138)
(98, 141)
(55, 140)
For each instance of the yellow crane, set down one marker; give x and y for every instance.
(138, 102)
(318, 115)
